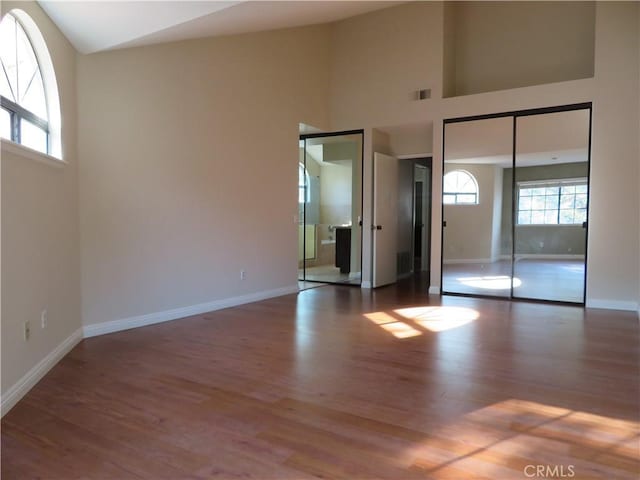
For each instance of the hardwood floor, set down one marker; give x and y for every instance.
(336, 382)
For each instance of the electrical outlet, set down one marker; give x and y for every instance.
(43, 319)
(243, 274)
(27, 330)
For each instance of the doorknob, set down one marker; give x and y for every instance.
(444, 223)
(376, 227)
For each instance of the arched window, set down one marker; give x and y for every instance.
(30, 113)
(304, 194)
(460, 188)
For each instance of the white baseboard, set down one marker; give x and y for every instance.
(612, 304)
(22, 386)
(434, 290)
(176, 313)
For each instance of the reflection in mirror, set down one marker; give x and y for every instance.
(329, 208)
(476, 243)
(551, 192)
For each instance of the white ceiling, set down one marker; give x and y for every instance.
(94, 26)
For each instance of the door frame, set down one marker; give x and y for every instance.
(304, 138)
(514, 115)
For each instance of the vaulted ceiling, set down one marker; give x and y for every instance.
(104, 25)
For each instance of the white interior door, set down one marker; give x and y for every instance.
(385, 221)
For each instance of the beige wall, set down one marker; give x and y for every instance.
(188, 173)
(615, 157)
(538, 42)
(335, 193)
(40, 237)
(469, 234)
(379, 62)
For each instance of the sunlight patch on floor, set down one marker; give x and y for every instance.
(491, 282)
(412, 322)
(515, 438)
(438, 319)
(397, 328)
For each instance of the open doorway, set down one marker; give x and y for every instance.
(414, 217)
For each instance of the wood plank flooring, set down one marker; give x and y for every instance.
(341, 383)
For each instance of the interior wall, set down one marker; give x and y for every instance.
(335, 193)
(613, 224)
(40, 237)
(409, 140)
(502, 45)
(187, 175)
(379, 62)
(468, 235)
(496, 218)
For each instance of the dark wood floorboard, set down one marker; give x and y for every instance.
(337, 382)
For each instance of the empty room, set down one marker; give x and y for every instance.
(324, 239)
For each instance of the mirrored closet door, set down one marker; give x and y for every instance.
(476, 230)
(330, 207)
(515, 204)
(551, 193)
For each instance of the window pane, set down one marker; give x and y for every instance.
(581, 200)
(34, 99)
(464, 198)
(8, 52)
(537, 217)
(538, 191)
(569, 189)
(5, 124)
(27, 63)
(581, 188)
(552, 190)
(448, 199)
(524, 218)
(466, 185)
(551, 202)
(459, 182)
(537, 202)
(525, 203)
(551, 217)
(580, 215)
(33, 136)
(21, 78)
(566, 216)
(526, 192)
(5, 89)
(566, 201)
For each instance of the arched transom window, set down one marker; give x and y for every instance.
(30, 113)
(460, 188)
